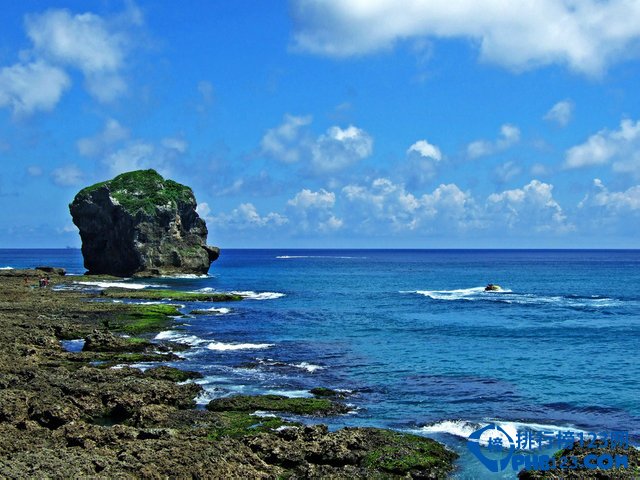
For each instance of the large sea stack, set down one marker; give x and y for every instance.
(140, 224)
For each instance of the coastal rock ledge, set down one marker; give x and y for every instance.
(139, 224)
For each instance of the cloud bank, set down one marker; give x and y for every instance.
(587, 36)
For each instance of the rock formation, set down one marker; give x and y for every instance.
(139, 224)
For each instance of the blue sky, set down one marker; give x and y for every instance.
(330, 123)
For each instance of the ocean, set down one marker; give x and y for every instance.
(416, 340)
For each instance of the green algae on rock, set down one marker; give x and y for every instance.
(277, 403)
(65, 415)
(142, 318)
(175, 295)
(578, 455)
(139, 224)
(241, 424)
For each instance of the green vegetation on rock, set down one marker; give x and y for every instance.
(277, 403)
(580, 453)
(170, 295)
(107, 360)
(401, 453)
(171, 373)
(143, 318)
(142, 190)
(241, 424)
(327, 392)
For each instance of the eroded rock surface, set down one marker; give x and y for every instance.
(139, 224)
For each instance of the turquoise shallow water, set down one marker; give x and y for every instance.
(417, 340)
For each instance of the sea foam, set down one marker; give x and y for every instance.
(251, 295)
(509, 297)
(464, 428)
(130, 286)
(216, 310)
(223, 347)
(177, 337)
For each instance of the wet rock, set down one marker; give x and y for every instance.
(102, 341)
(171, 373)
(143, 225)
(358, 452)
(277, 403)
(576, 455)
(53, 270)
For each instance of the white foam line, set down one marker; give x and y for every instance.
(251, 295)
(222, 347)
(218, 310)
(175, 336)
(309, 367)
(131, 286)
(185, 276)
(464, 428)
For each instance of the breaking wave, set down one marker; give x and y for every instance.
(131, 286)
(178, 337)
(216, 310)
(223, 347)
(251, 295)
(509, 297)
(464, 428)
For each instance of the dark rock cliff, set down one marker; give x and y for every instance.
(139, 224)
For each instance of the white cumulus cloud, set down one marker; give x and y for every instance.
(111, 134)
(509, 136)
(67, 176)
(140, 154)
(334, 150)
(286, 142)
(313, 211)
(615, 202)
(83, 41)
(560, 113)
(426, 150)
(587, 36)
(385, 206)
(622, 146)
(246, 217)
(60, 41)
(26, 88)
(530, 207)
(339, 148)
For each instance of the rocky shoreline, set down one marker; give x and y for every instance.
(68, 414)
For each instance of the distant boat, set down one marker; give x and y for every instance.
(493, 288)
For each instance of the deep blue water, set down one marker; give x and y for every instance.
(414, 336)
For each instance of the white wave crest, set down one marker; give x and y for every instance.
(251, 295)
(464, 428)
(6, 268)
(217, 310)
(177, 337)
(185, 275)
(131, 286)
(309, 367)
(459, 294)
(289, 393)
(205, 290)
(223, 347)
(508, 296)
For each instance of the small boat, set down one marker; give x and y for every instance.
(493, 288)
